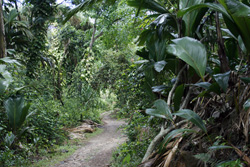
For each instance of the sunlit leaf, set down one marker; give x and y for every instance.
(9, 60)
(159, 66)
(192, 52)
(159, 88)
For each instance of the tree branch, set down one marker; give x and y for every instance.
(175, 85)
(157, 139)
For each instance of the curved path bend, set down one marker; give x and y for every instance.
(97, 151)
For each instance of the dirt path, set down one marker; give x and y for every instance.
(98, 150)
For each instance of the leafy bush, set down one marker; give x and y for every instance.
(139, 133)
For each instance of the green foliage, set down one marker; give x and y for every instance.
(173, 134)
(162, 110)
(236, 163)
(192, 52)
(178, 97)
(193, 117)
(247, 104)
(130, 153)
(9, 139)
(222, 80)
(17, 112)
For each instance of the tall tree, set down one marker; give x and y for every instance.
(2, 33)
(41, 12)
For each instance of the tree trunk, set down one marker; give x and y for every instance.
(221, 51)
(93, 38)
(2, 33)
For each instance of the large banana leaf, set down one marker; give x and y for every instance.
(193, 117)
(16, 111)
(192, 52)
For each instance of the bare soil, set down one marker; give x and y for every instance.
(97, 151)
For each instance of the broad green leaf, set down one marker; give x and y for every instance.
(5, 80)
(222, 80)
(216, 7)
(219, 147)
(147, 4)
(240, 13)
(11, 16)
(126, 160)
(193, 117)
(245, 79)
(141, 61)
(9, 139)
(162, 110)
(178, 96)
(192, 19)
(144, 36)
(213, 6)
(246, 104)
(161, 23)
(173, 134)
(9, 61)
(192, 52)
(205, 85)
(156, 48)
(159, 66)
(242, 45)
(16, 111)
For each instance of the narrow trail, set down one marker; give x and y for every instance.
(97, 151)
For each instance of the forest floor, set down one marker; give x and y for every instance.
(97, 151)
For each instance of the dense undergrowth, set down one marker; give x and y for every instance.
(177, 70)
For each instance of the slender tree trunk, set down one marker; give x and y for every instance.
(19, 17)
(2, 33)
(93, 38)
(221, 50)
